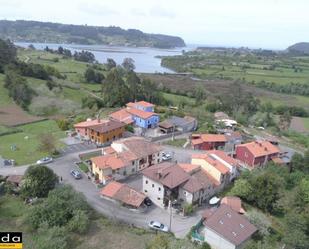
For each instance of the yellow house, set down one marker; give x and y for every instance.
(214, 167)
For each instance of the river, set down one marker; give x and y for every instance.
(146, 60)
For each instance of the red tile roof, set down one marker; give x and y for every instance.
(230, 225)
(260, 148)
(88, 123)
(141, 103)
(111, 189)
(224, 157)
(106, 126)
(168, 174)
(123, 193)
(207, 138)
(189, 167)
(212, 161)
(234, 203)
(139, 146)
(109, 161)
(122, 116)
(198, 181)
(140, 113)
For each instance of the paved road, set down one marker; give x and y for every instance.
(62, 167)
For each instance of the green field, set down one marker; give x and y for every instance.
(306, 123)
(28, 149)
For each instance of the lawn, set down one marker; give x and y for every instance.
(83, 167)
(27, 142)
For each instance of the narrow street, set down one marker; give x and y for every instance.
(62, 166)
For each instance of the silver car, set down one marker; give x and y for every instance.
(45, 160)
(158, 226)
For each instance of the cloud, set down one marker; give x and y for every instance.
(138, 12)
(97, 9)
(158, 11)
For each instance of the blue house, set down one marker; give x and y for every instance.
(143, 114)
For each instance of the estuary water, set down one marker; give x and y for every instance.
(146, 59)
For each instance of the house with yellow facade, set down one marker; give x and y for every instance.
(125, 157)
(220, 166)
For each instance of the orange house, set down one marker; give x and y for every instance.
(102, 131)
(106, 132)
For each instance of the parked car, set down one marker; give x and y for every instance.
(147, 202)
(166, 156)
(45, 160)
(76, 174)
(158, 226)
(8, 162)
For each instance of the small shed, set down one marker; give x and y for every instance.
(166, 127)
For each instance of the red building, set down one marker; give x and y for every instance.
(208, 141)
(256, 153)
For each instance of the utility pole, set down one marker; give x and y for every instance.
(171, 213)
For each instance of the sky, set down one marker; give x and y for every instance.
(272, 24)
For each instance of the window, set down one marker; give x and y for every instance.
(159, 189)
(159, 198)
(145, 191)
(221, 222)
(153, 185)
(133, 170)
(241, 225)
(146, 181)
(185, 193)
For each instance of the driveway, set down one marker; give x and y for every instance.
(62, 166)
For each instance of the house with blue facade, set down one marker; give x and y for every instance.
(141, 113)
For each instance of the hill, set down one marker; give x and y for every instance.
(301, 48)
(33, 31)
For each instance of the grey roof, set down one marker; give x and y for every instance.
(178, 121)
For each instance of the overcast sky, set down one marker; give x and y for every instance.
(253, 23)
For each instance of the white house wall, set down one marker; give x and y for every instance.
(154, 190)
(216, 241)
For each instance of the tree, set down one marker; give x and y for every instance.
(114, 90)
(110, 64)
(62, 207)
(267, 188)
(47, 143)
(260, 220)
(7, 53)
(199, 94)
(38, 181)
(128, 64)
(63, 124)
(242, 188)
(285, 120)
(18, 89)
(79, 222)
(92, 76)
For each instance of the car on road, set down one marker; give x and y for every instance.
(158, 226)
(45, 160)
(147, 202)
(76, 174)
(166, 156)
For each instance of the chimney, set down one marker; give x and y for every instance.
(159, 173)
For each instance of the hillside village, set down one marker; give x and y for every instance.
(141, 174)
(209, 180)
